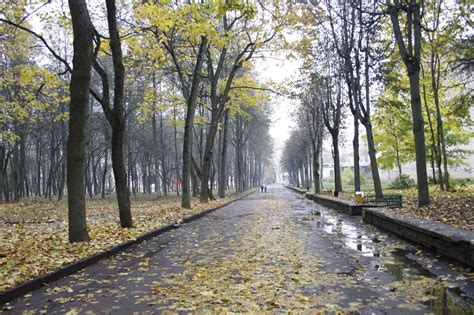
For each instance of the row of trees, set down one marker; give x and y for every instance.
(369, 62)
(162, 97)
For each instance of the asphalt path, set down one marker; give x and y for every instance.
(268, 252)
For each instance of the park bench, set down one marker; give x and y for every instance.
(388, 200)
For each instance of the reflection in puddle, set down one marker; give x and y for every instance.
(443, 300)
(353, 238)
(449, 301)
(400, 271)
(405, 262)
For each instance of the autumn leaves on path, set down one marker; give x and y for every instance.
(268, 252)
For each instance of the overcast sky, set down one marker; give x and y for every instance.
(279, 69)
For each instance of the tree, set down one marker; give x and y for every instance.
(248, 122)
(444, 29)
(348, 49)
(310, 117)
(30, 93)
(332, 116)
(293, 159)
(78, 111)
(392, 124)
(169, 31)
(355, 45)
(227, 55)
(410, 50)
(115, 115)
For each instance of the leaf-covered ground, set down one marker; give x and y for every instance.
(453, 208)
(270, 252)
(34, 239)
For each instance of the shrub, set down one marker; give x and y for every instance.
(402, 182)
(348, 177)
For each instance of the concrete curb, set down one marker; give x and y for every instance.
(441, 238)
(346, 206)
(40, 281)
(296, 189)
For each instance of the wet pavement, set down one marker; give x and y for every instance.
(270, 252)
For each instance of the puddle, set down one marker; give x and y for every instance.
(449, 301)
(444, 300)
(352, 236)
(400, 272)
(401, 255)
(348, 234)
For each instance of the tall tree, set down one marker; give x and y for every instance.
(116, 114)
(332, 116)
(78, 111)
(409, 46)
(311, 117)
(191, 99)
(224, 63)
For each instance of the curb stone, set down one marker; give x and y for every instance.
(40, 281)
(296, 189)
(348, 207)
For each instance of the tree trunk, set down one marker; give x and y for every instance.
(433, 169)
(164, 168)
(4, 170)
(104, 172)
(188, 127)
(95, 166)
(206, 192)
(39, 160)
(435, 68)
(118, 125)
(87, 177)
(411, 57)
(63, 165)
(435, 147)
(194, 182)
(373, 159)
(15, 170)
(23, 183)
(316, 178)
(79, 108)
(223, 158)
(156, 157)
(355, 147)
(368, 127)
(321, 165)
(306, 174)
(399, 163)
(337, 165)
(175, 135)
(419, 134)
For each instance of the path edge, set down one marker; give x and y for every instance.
(69, 269)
